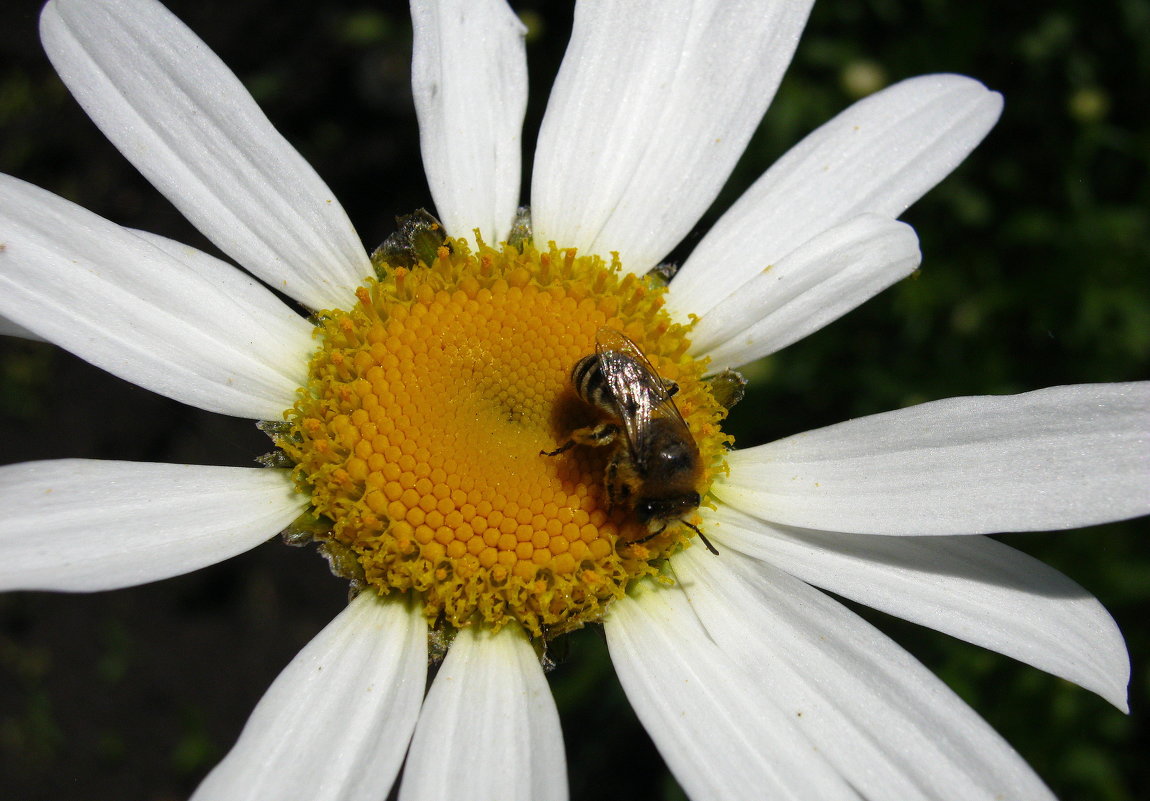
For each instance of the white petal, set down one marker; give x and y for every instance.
(648, 115)
(974, 588)
(1055, 458)
(880, 155)
(887, 723)
(469, 79)
(192, 328)
(186, 122)
(11, 329)
(718, 731)
(489, 728)
(335, 724)
(81, 525)
(813, 285)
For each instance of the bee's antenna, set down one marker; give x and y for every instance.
(702, 536)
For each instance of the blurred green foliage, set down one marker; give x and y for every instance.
(1034, 274)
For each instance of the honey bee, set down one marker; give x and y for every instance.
(655, 467)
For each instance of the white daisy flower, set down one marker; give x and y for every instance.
(412, 409)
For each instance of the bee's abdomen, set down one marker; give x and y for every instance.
(591, 385)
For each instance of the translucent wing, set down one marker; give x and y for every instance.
(640, 394)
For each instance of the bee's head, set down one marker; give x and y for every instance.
(669, 508)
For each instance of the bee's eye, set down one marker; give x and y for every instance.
(645, 510)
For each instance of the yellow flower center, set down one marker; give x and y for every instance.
(419, 435)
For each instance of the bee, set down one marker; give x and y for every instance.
(655, 467)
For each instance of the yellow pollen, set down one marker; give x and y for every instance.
(418, 435)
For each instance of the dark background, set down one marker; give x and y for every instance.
(1034, 274)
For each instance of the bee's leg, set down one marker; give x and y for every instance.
(595, 436)
(650, 536)
(566, 446)
(691, 526)
(611, 482)
(670, 386)
(615, 480)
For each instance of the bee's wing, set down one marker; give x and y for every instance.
(640, 393)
